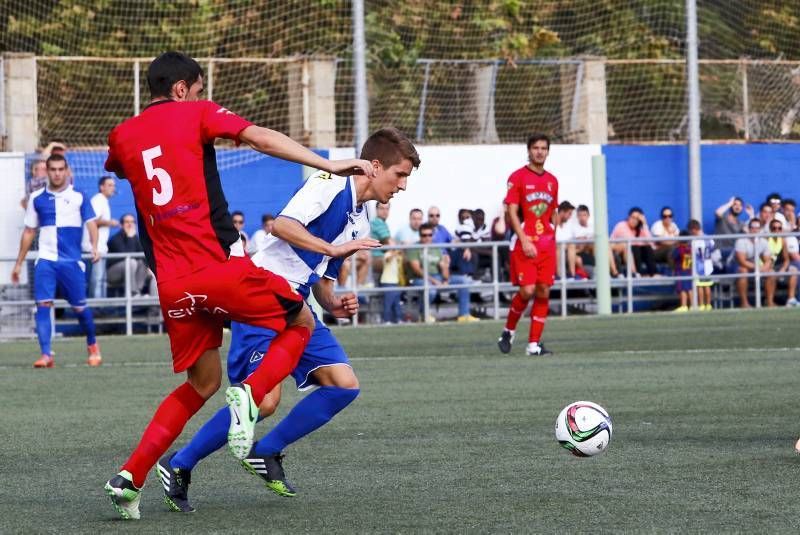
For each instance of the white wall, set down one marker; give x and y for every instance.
(474, 176)
(12, 190)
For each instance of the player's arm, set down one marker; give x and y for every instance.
(25, 243)
(293, 232)
(340, 306)
(516, 226)
(91, 226)
(283, 147)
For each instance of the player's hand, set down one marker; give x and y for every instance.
(95, 256)
(529, 249)
(15, 273)
(352, 167)
(347, 307)
(350, 247)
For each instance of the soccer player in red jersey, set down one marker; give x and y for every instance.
(204, 276)
(532, 192)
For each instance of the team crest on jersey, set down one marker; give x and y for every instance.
(539, 209)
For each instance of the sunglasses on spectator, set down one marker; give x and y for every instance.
(666, 216)
(426, 235)
(776, 229)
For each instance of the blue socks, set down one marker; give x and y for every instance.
(87, 322)
(310, 413)
(44, 329)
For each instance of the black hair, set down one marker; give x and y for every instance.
(237, 212)
(694, 224)
(266, 217)
(774, 195)
(790, 201)
(634, 210)
(763, 204)
(56, 158)
(583, 208)
(663, 208)
(565, 205)
(414, 210)
(121, 219)
(754, 220)
(170, 68)
(103, 180)
(425, 226)
(538, 137)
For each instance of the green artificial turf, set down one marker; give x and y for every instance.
(448, 435)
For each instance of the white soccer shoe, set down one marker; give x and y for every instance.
(244, 415)
(125, 497)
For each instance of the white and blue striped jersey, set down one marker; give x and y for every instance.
(60, 217)
(326, 205)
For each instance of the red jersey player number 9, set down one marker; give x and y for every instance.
(163, 194)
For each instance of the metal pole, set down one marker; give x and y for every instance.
(426, 291)
(745, 101)
(562, 267)
(423, 102)
(693, 90)
(137, 98)
(128, 304)
(496, 282)
(629, 274)
(210, 80)
(361, 118)
(601, 247)
(695, 259)
(757, 262)
(2, 103)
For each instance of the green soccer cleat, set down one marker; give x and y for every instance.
(270, 470)
(244, 415)
(124, 495)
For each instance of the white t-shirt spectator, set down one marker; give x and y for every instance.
(583, 233)
(257, 242)
(102, 208)
(466, 231)
(565, 231)
(406, 235)
(792, 245)
(658, 230)
(749, 246)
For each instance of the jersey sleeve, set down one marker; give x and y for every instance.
(314, 197)
(220, 122)
(334, 266)
(112, 164)
(512, 195)
(31, 216)
(87, 210)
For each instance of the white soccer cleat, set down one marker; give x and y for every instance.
(244, 415)
(125, 497)
(538, 350)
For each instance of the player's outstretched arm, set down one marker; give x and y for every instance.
(342, 306)
(293, 232)
(25, 243)
(281, 146)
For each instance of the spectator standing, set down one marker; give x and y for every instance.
(635, 226)
(748, 251)
(728, 220)
(259, 239)
(703, 253)
(379, 230)
(665, 228)
(782, 263)
(410, 234)
(36, 181)
(463, 264)
(127, 241)
(438, 268)
(389, 264)
(59, 212)
(237, 217)
(682, 262)
(481, 232)
(106, 186)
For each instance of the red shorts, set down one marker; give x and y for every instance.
(196, 306)
(530, 271)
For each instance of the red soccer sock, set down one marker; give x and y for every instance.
(281, 358)
(539, 312)
(515, 311)
(167, 423)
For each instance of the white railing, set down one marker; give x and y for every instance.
(623, 287)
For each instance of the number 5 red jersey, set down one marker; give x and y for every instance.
(167, 154)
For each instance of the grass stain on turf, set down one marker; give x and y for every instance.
(448, 434)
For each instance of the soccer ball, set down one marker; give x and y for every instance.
(584, 428)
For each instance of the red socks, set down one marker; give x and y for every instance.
(539, 312)
(515, 311)
(167, 423)
(281, 358)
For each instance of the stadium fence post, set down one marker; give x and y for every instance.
(496, 282)
(693, 91)
(601, 246)
(694, 276)
(426, 291)
(361, 108)
(128, 304)
(629, 273)
(137, 97)
(562, 267)
(757, 274)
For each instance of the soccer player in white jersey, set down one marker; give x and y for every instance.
(59, 212)
(324, 222)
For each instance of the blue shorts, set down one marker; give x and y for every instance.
(249, 343)
(68, 276)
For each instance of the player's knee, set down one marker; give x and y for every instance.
(206, 387)
(268, 406)
(526, 292)
(349, 382)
